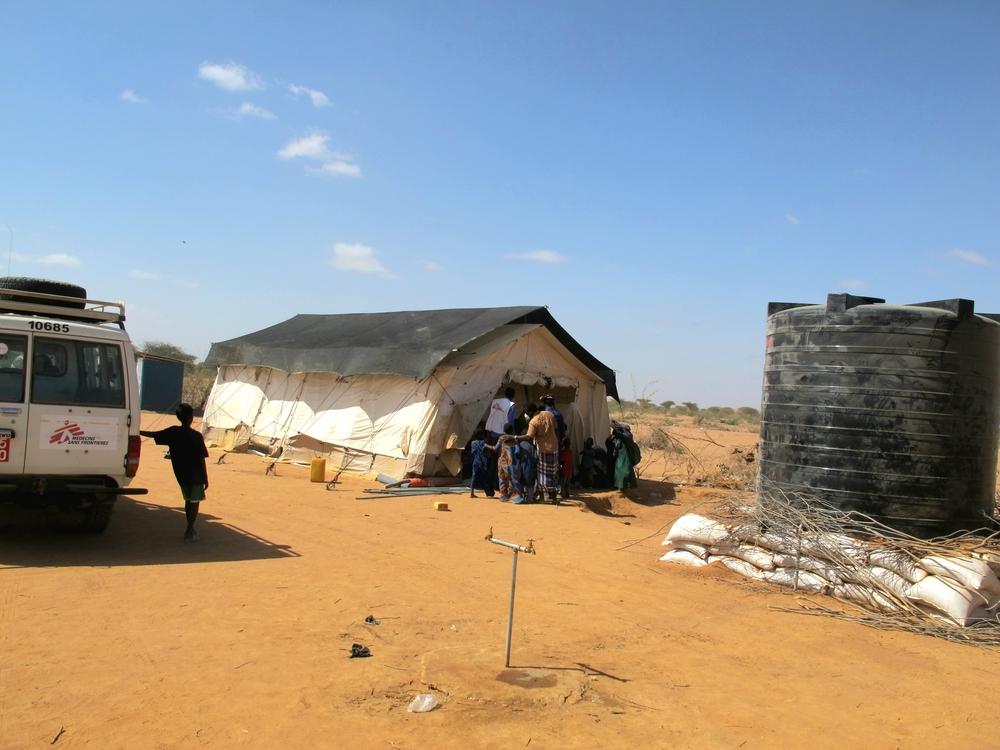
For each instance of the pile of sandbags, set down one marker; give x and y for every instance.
(961, 587)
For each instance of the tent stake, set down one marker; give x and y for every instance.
(530, 549)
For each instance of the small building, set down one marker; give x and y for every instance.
(161, 383)
(399, 391)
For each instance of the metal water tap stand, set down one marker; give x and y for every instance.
(530, 549)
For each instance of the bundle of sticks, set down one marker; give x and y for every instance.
(945, 586)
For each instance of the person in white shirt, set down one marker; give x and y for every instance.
(502, 412)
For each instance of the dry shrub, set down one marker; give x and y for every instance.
(198, 380)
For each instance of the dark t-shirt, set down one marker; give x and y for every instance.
(187, 453)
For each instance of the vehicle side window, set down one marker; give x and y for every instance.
(85, 373)
(12, 350)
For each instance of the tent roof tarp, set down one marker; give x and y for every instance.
(409, 343)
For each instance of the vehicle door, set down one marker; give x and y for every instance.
(79, 417)
(13, 402)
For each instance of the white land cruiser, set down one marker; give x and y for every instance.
(69, 400)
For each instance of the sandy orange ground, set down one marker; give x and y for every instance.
(135, 639)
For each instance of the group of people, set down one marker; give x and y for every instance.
(527, 456)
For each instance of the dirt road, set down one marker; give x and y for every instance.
(135, 639)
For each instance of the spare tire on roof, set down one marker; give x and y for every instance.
(10, 284)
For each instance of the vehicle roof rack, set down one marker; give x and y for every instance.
(35, 303)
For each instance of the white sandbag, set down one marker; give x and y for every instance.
(739, 566)
(829, 546)
(770, 540)
(803, 562)
(854, 592)
(971, 573)
(756, 556)
(891, 580)
(990, 558)
(695, 549)
(899, 563)
(683, 557)
(802, 580)
(823, 545)
(947, 596)
(694, 528)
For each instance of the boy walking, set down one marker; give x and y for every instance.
(187, 455)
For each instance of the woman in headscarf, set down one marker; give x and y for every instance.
(625, 454)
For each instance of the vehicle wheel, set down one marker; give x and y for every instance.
(97, 517)
(45, 286)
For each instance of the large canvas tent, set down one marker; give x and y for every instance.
(397, 392)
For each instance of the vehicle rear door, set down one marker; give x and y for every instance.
(79, 415)
(13, 402)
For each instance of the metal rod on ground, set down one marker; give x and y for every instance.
(530, 549)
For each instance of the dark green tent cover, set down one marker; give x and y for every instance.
(405, 343)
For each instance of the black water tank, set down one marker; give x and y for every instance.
(890, 410)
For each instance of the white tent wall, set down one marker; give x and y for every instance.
(393, 423)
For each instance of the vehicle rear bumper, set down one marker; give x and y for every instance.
(63, 490)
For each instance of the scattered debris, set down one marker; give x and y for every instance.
(441, 506)
(422, 704)
(371, 620)
(60, 733)
(403, 489)
(359, 652)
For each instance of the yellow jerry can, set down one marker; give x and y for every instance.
(317, 469)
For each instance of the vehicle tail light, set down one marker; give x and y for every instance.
(132, 457)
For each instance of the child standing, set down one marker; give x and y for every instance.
(480, 464)
(587, 457)
(187, 455)
(505, 449)
(565, 467)
(523, 472)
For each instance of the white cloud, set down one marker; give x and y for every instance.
(156, 276)
(339, 167)
(314, 146)
(52, 259)
(852, 284)
(144, 275)
(538, 256)
(969, 256)
(128, 95)
(792, 219)
(249, 109)
(318, 98)
(431, 266)
(357, 258)
(230, 76)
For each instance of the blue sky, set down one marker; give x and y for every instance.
(654, 172)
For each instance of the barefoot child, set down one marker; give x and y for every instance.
(480, 464)
(565, 467)
(187, 454)
(505, 457)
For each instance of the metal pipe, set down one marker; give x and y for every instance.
(530, 549)
(510, 610)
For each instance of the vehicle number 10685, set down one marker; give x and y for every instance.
(44, 325)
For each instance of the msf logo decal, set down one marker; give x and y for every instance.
(70, 433)
(66, 433)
